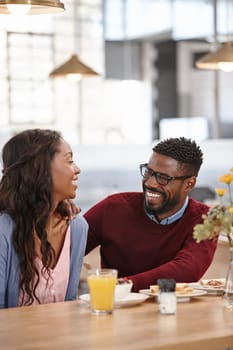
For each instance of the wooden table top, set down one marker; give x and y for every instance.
(202, 323)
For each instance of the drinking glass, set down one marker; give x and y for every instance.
(101, 283)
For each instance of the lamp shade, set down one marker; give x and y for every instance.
(72, 67)
(221, 59)
(34, 7)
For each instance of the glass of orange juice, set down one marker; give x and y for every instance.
(101, 283)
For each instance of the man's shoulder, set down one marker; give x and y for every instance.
(125, 197)
(197, 208)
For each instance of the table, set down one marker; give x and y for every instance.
(202, 324)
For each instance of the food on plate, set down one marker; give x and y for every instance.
(123, 288)
(181, 288)
(214, 283)
(154, 288)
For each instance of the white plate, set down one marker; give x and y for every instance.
(130, 300)
(209, 289)
(180, 297)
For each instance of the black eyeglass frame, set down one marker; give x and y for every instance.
(166, 177)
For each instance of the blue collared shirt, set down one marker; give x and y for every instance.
(172, 218)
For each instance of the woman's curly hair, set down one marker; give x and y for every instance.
(26, 195)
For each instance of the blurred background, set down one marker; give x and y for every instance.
(145, 85)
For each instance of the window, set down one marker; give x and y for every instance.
(30, 93)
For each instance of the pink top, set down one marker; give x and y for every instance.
(55, 289)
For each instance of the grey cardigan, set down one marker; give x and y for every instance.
(9, 264)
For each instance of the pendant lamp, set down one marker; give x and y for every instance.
(73, 69)
(30, 7)
(221, 59)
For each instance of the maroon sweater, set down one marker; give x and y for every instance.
(143, 250)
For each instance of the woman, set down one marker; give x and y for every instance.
(41, 250)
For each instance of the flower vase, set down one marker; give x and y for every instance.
(228, 290)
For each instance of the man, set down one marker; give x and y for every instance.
(149, 235)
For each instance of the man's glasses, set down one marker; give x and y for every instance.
(161, 179)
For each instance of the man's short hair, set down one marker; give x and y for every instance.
(184, 150)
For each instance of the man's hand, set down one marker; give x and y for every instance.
(72, 209)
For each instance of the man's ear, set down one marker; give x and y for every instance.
(191, 182)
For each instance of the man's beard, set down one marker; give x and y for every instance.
(166, 205)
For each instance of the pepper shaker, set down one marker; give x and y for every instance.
(167, 296)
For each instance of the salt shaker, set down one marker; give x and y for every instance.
(167, 296)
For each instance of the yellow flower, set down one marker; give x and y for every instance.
(220, 191)
(231, 210)
(231, 169)
(226, 178)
